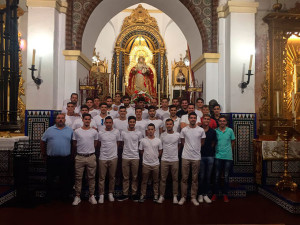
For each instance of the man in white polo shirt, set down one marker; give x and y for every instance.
(174, 117)
(71, 116)
(163, 112)
(84, 109)
(169, 161)
(151, 149)
(141, 124)
(192, 137)
(100, 119)
(108, 138)
(121, 123)
(184, 121)
(84, 142)
(130, 110)
(130, 158)
(157, 122)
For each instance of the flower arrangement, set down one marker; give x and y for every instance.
(141, 94)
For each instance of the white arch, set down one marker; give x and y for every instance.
(174, 9)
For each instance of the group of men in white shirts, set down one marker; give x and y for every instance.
(154, 134)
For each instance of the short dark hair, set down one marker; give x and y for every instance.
(118, 94)
(74, 94)
(151, 125)
(84, 107)
(223, 117)
(103, 103)
(175, 99)
(200, 99)
(184, 99)
(70, 103)
(192, 114)
(96, 98)
(122, 107)
(165, 98)
(168, 120)
(108, 118)
(136, 108)
(151, 107)
(89, 98)
(217, 105)
(172, 106)
(126, 97)
(191, 104)
(205, 106)
(141, 99)
(108, 97)
(206, 115)
(131, 118)
(86, 114)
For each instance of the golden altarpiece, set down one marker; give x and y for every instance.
(139, 61)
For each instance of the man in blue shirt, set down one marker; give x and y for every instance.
(56, 150)
(223, 158)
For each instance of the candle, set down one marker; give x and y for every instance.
(123, 88)
(293, 102)
(277, 98)
(33, 57)
(250, 64)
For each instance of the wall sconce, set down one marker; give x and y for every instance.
(244, 85)
(36, 80)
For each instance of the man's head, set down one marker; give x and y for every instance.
(126, 101)
(109, 101)
(165, 103)
(108, 122)
(141, 103)
(86, 119)
(131, 122)
(151, 129)
(206, 120)
(70, 107)
(191, 108)
(217, 110)
(184, 104)
(169, 124)
(89, 102)
(154, 102)
(103, 108)
(60, 120)
(151, 111)
(84, 109)
(74, 98)
(205, 109)
(122, 112)
(199, 103)
(222, 121)
(192, 118)
(172, 110)
(175, 102)
(138, 112)
(97, 102)
(118, 98)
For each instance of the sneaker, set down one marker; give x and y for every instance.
(122, 198)
(142, 199)
(206, 199)
(155, 198)
(195, 202)
(92, 200)
(182, 201)
(76, 201)
(111, 197)
(135, 198)
(161, 199)
(200, 198)
(101, 199)
(175, 200)
(225, 197)
(214, 197)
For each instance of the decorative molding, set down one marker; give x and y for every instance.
(237, 7)
(149, 10)
(59, 5)
(77, 55)
(205, 58)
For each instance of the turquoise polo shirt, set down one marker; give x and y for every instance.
(58, 141)
(223, 147)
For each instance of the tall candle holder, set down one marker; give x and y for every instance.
(36, 80)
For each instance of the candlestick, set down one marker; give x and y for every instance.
(250, 64)
(293, 101)
(277, 101)
(33, 57)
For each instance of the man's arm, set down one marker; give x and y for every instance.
(160, 130)
(232, 144)
(202, 141)
(182, 125)
(160, 153)
(182, 141)
(43, 146)
(74, 148)
(95, 143)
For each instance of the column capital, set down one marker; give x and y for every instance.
(60, 5)
(77, 55)
(237, 7)
(205, 58)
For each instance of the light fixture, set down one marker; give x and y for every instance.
(186, 59)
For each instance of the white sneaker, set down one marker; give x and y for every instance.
(161, 199)
(92, 200)
(200, 198)
(111, 197)
(207, 199)
(76, 201)
(182, 201)
(101, 199)
(175, 200)
(195, 202)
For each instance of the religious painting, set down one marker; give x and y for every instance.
(180, 73)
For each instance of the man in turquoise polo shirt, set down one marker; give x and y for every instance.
(223, 158)
(56, 150)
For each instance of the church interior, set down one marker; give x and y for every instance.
(243, 54)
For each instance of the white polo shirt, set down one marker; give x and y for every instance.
(192, 144)
(185, 119)
(109, 147)
(79, 123)
(162, 114)
(150, 147)
(131, 143)
(100, 122)
(85, 140)
(170, 146)
(176, 127)
(121, 125)
(142, 126)
(158, 124)
(70, 120)
(145, 114)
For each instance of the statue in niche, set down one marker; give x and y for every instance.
(141, 78)
(180, 78)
